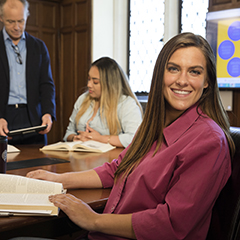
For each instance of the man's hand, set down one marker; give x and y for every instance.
(3, 127)
(46, 120)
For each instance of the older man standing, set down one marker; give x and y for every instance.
(27, 89)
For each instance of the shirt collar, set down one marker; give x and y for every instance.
(175, 130)
(7, 37)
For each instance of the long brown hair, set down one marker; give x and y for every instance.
(114, 84)
(152, 126)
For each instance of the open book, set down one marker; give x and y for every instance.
(88, 146)
(26, 196)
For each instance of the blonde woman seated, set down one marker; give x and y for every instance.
(109, 111)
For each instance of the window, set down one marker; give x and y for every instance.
(193, 16)
(146, 34)
(146, 25)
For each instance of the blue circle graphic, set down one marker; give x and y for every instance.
(233, 67)
(234, 31)
(226, 49)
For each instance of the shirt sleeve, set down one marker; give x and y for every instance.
(71, 128)
(204, 167)
(107, 170)
(130, 118)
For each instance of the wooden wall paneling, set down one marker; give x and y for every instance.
(43, 23)
(67, 77)
(217, 2)
(82, 43)
(67, 62)
(235, 114)
(67, 17)
(82, 13)
(216, 5)
(232, 114)
(81, 56)
(76, 50)
(32, 26)
(51, 40)
(49, 16)
(33, 18)
(50, 34)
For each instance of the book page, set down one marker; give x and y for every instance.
(17, 184)
(94, 146)
(25, 199)
(14, 212)
(57, 146)
(62, 146)
(88, 146)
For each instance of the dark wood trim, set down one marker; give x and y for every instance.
(217, 5)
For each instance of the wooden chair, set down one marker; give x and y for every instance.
(225, 222)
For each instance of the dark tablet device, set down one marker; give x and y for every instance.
(26, 130)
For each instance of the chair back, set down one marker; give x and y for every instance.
(225, 222)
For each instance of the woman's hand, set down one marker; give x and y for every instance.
(43, 175)
(82, 215)
(89, 134)
(78, 211)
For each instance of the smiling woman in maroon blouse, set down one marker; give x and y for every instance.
(165, 183)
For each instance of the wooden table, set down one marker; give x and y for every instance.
(56, 227)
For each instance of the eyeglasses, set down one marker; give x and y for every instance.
(19, 57)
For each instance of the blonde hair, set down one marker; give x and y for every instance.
(114, 84)
(152, 126)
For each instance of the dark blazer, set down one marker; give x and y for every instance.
(39, 81)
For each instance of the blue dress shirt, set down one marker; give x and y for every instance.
(17, 72)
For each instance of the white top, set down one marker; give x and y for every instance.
(129, 116)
